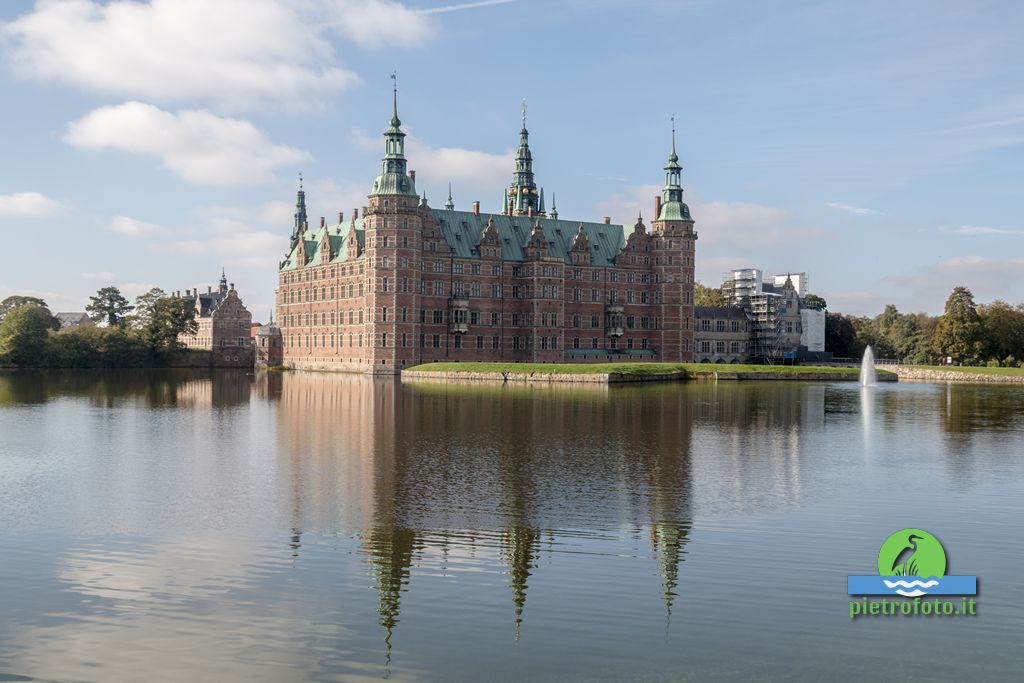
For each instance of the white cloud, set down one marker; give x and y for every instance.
(28, 204)
(233, 52)
(196, 145)
(99, 275)
(376, 23)
(849, 208)
(972, 230)
(132, 227)
(469, 170)
(248, 249)
(987, 278)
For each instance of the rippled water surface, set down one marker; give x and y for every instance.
(319, 527)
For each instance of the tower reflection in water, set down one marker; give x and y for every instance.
(504, 475)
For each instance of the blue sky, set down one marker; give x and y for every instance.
(875, 145)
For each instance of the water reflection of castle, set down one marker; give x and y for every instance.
(426, 470)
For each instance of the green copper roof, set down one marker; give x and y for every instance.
(337, 233)
(462, 231)
(674, 211)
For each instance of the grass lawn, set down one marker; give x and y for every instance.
(1008, 372)
(629, 369)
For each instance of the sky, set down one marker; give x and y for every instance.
(877, 146)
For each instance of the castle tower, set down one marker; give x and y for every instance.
(523, 197)
(300, 215)
(393, 224)
(674, 250)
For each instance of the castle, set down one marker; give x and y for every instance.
(405, 283)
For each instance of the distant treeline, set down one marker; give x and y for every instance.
(987, 334)
(139, 335)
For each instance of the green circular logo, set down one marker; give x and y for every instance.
(912, 552)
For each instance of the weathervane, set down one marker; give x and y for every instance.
(394, 77)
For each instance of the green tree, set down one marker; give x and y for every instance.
(144, 304)
(815, 302)
(1004, 332)
(959, 333)
(109, 305)
(707, 296)
(23, 334)
(841, 336)
(12, 302)
(168, 318)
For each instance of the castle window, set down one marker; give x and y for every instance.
(479, 341)
(383, 284)
(719, 326)
(405, 340)
(576, 320)
(629, 343)
(474, 289)
(643, 343)
(575, 342)
(384, 314)
(495, 291)
(475, 269)
(423, 341)
(495, 342)
(384, 339)
(595, 295)
(643, 297)
(595, 321)
(438, 317)
(495, 270)
(438, 288)
(593, 342)
(405, 316)
(458, 268)
(495, 319)
(720, 347)
(437, 340)
(385, 262)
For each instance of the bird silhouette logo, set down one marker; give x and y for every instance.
(912, 563)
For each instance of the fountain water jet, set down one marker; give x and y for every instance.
(867, 369)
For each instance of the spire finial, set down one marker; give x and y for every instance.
(524, 113)
(300, 181)
(673, 134)
(394, 99)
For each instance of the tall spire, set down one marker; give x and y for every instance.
(523, 194)
(450, 205)
(672, 206)
(554, 208)
(300, 214)
(223, 281)
(394, 178)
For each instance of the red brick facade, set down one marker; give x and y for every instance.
(407, 284)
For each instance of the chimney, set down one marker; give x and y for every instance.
(476, 208)
(232, 285)
(529, 212)
(341, 217)
(209, 289)
(321, 221)
(607, 220)
(355, 214)
(412, 175)
(657, 207)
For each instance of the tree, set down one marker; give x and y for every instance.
(108, 305)
(168, 318)
(1003, 331)
(12, 302)
(814, 302)
(23, 334)
(841, 336)
(144, 304)
(707, 296)
(959, 333)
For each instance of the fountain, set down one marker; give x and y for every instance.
(867, 368)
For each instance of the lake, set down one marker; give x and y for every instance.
(173, 526)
